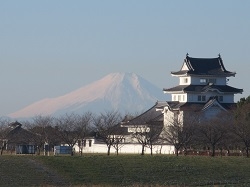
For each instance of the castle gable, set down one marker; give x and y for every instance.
(203, 67)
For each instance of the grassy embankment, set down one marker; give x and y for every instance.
(124, 170)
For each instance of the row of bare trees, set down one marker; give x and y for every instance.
(47, 130)
(227, 131)
(196, 134)
(71, 130)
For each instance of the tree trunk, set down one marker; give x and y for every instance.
(117, 151)
(185, 151)
(247, 151)
(72, 152)
(117, 148)
(109, 146)
(160, 149)
(176, 151)
(38, 150)
(2, 150)
(142, 151)
(213, 150)
(151, 149)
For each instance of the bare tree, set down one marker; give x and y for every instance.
(156, 128)
(241, 125)
(84, 123)
(3, 133)
(212, 132)
(145, 128)
(180, 130)
(148, 135)
(141, 135)
(42, 127)
(71, 128)
(118, 139)
(106, 126)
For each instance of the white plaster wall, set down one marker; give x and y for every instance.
(179, 97)
(127, 149)
(181, 117)
(168, 117)
(184, 66)
(182, 80)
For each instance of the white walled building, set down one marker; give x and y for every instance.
(130, 144)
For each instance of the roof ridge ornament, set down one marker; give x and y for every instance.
(219, 55)
(187, 55)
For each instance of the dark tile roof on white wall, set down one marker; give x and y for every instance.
(204, 66)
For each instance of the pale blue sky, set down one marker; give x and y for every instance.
(49, 48)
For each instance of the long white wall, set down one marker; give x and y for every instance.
(127, 149)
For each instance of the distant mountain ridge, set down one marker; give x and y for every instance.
(125, 92)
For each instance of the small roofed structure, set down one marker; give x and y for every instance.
(19, 139)
(146, 129)
(144, 118)
(151, 119)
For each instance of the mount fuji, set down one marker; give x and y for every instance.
(124, 92)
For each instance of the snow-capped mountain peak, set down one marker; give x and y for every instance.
(125, 92)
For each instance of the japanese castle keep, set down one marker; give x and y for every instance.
(203, 86)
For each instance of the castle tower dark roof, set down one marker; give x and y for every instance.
(150, 115)
(203, 89)
(203, 67)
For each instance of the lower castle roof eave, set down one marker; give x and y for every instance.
(197, 92)
(178, 74)
(196, 106)
(223, 89)
(173, 92)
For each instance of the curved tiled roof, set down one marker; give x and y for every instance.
(195, 106)
(145, 117)
(204, 66)
(204, 88)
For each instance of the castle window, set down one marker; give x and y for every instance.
(174, 98)
(185, 80)
(203, 81)
(179, 97)
(201, 98)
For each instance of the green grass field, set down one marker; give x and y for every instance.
(124, 170)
